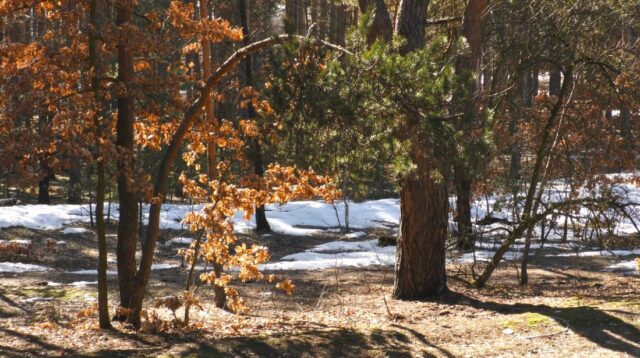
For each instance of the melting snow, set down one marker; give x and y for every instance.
(18, 267)
(355, 235)
(180, 241)
(632, 266)
(75, 230)
(349, 254)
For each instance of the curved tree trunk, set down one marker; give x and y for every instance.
(161, 183)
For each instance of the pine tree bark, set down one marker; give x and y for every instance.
(323, 19)
(420, 262)
(410, 23)
(341, 25)
(128, 203)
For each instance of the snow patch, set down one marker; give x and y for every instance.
(18, 267)
(180, 241)
(113, 272)
(75, 230)
(351, 254)
(356, 235)
(36, 299)
(627, 266)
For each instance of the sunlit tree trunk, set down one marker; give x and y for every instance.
(212, 150)
(128, 217)
(420, 263)
(96, 11)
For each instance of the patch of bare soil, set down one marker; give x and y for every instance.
(570, 308)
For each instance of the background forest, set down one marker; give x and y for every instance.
(362, 165)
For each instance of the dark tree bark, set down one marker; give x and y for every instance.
(468, 68)
(463, 210)
(323, 17)
(44, 196)
(128, 219)
(95, 14)
(341, 25)
(555, 81)
(380, 26)
(75, 182)
(295, 20)
(262, 225)
(420, 264)
(410, 23)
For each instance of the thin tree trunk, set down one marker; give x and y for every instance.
(128, 218)
(162, 177)
(212, 149)
(94, 55)
(527, 212)
(463, 209)
(262, 225)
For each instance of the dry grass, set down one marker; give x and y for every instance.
(571, 308)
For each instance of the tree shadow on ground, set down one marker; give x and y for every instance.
(592, 323)
(37, 346)
(312, 343)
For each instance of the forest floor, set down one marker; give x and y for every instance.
(572, 307)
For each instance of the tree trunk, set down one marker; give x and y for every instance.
(468, 69)
(555, 81)
(75, 182)
(96, 10)
(527, 213)
(380, 26)
(295, 17)
(410, 23)
(341, 25)
(262, 225)
(323, 14)
(420, 263)
(128, 221)
(463, 211)
(43, 185)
